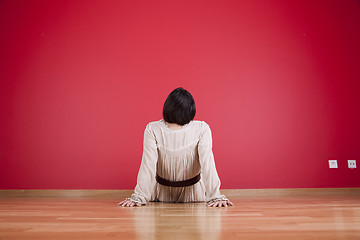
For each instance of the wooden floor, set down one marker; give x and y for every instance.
(307, 215)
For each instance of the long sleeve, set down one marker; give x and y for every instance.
(209, 174)
(146, 177)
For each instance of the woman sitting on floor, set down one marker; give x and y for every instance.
(177, 162)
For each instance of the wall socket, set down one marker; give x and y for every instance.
(352, 163)
(333, 164)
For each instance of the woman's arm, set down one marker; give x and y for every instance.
(208, 171)
(146, 177)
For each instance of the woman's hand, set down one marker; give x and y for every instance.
(221, 204)
(128, 203)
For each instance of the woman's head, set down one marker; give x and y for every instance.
(179, 107)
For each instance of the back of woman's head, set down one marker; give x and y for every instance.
(179, 107)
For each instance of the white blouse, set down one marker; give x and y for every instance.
(177, 155)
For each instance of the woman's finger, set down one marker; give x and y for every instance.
(221, 204)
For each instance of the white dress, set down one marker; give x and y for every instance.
(177, 155)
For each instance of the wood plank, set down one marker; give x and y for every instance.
(299, 215)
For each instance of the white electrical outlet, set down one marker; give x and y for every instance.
(352, 163)
(333, 164)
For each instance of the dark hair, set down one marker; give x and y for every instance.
(179, 107)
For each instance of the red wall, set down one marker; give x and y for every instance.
(278, 82)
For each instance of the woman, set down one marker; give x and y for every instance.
(177, 162)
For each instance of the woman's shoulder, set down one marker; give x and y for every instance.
(200, 123)
(153, 124)
(192, 124)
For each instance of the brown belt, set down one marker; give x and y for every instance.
(184, 183)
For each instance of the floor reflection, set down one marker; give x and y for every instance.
(178, 221)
